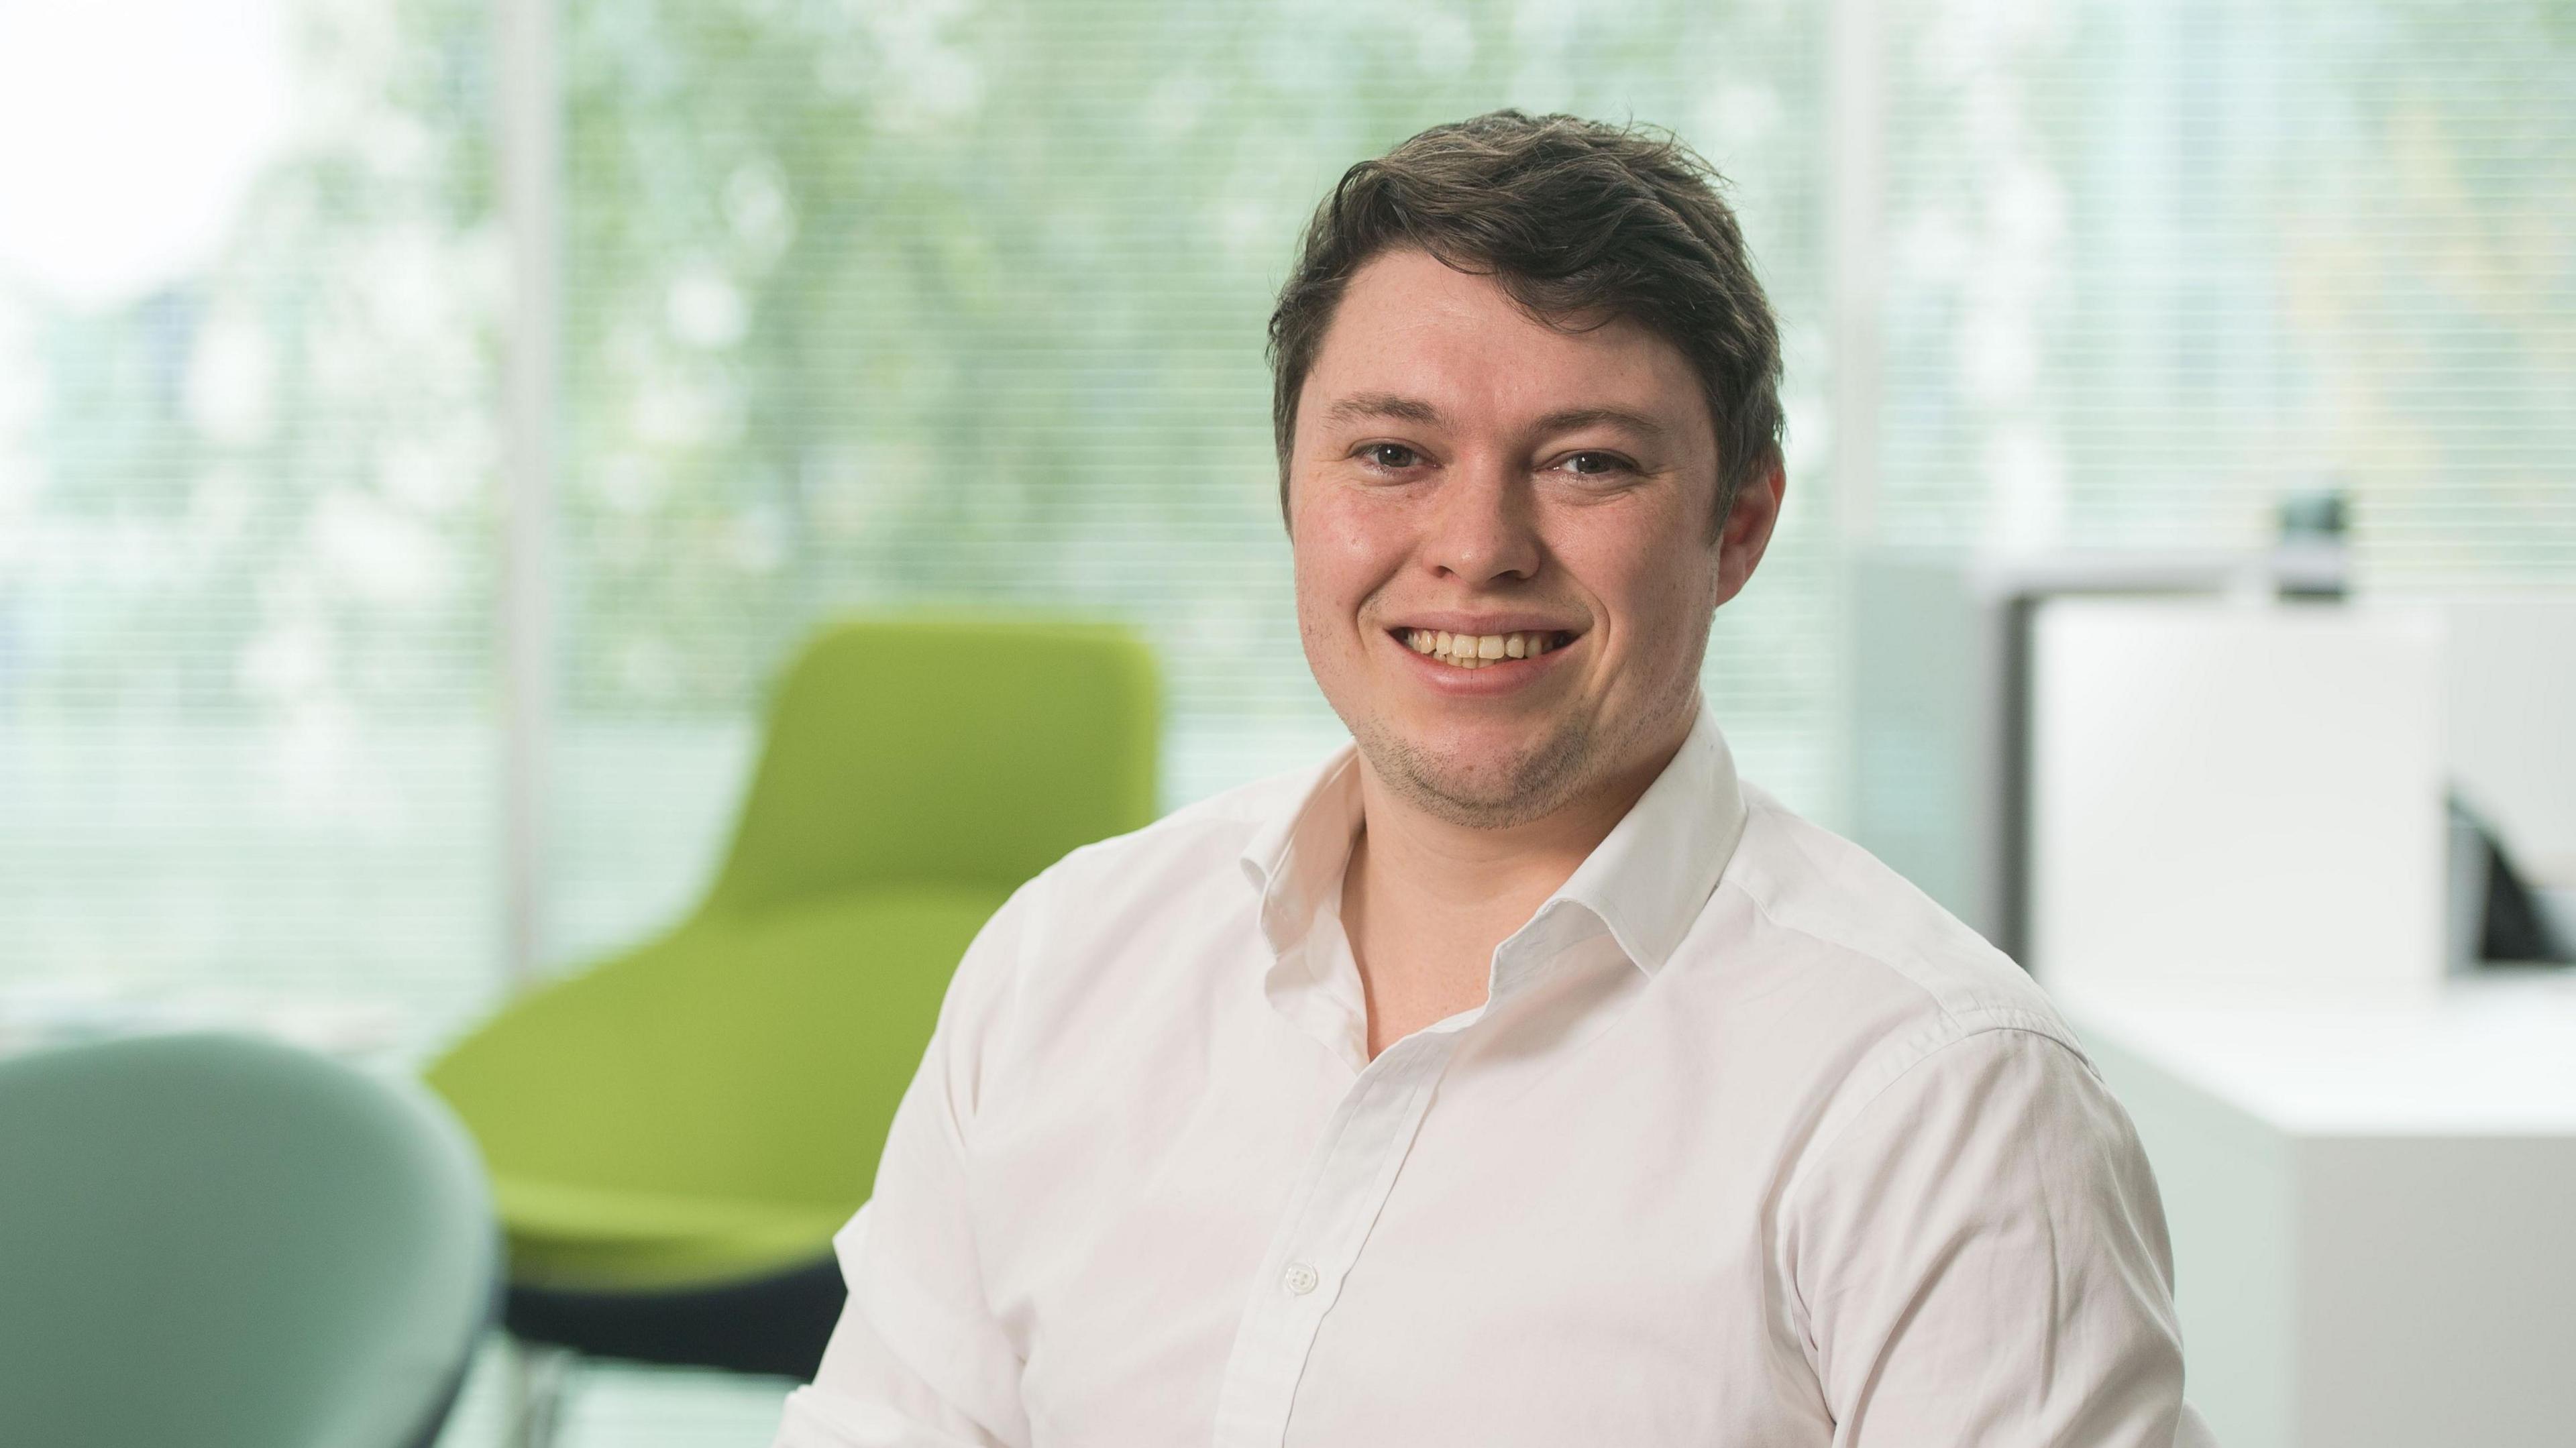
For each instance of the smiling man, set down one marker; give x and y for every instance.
(1518, 1076)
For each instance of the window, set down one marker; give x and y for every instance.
(964, 306)
(247, 271)
(959, 303)
(2152, 266)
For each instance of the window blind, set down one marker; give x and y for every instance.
(2154, 265)
(960, 304)
(888, 307)
(245, 575)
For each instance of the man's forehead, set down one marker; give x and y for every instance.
(1412, 293)
(1415, 340)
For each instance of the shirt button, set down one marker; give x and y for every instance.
(1299, 1279)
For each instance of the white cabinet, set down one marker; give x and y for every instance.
(2373, 1208)
(2245, 795)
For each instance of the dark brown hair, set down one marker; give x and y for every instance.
(1581, 223)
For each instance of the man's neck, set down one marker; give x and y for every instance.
(1425, 900)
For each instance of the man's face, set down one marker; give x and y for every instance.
(1462, 469)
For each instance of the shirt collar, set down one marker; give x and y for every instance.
(1650, 878)
(1299, 856)
(1646, 882)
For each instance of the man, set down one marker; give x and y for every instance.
(1519, 1076)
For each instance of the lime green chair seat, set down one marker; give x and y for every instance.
(706, 1110)
(223, 1243)
(710, 1105)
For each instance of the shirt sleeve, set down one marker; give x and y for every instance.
(1979, 1256)
(918, 1359)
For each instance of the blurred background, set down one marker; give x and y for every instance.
(427, 426)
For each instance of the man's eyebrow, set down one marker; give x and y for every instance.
(1361, 406)
(1367, 406)
(1646, 428)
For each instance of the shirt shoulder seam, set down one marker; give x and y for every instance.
(1969, 1018)
(1935, 1038)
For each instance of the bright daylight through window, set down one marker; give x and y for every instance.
(876, 305)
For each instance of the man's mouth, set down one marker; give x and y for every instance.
(1476, 651)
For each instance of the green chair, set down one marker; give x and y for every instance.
(676, 1132)
(223, 1243)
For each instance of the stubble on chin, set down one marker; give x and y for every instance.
(1500, 795)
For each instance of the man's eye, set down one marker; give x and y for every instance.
(1596, 464)
(1393, 456)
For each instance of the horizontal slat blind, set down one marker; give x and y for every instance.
(889, 305)
(876, 307)
(245, 570)
(2153, 265)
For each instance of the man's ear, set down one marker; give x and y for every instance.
(1746, 530)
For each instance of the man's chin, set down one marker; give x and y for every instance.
(1481, 790)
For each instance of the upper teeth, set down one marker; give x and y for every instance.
(1474, 651)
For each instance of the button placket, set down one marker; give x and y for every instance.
(1323, 1235)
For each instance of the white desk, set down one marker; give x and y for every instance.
(2373, 1207)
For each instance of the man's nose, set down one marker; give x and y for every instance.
(1483, 526)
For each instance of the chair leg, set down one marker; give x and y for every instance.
(540, 1378)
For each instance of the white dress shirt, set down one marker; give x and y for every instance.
(1750, 1145)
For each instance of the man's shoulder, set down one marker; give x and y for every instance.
(1202, 840)
(1123, 936)
(1914, 977)
(1175, 886)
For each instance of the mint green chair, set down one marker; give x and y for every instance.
(676, 1132)
(223, 1243)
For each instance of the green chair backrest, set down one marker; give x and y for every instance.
(950, 752)
(914, 773)
(218, 1242)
